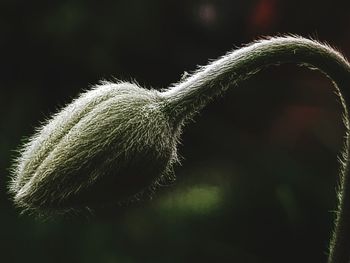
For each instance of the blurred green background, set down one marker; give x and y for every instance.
(259, 169)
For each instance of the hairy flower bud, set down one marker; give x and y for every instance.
(107, 145)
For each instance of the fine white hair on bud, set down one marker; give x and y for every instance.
(109, 144)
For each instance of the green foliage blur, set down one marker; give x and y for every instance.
(259, 169)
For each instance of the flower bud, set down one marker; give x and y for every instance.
(109, 144)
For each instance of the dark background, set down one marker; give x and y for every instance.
(259, 170)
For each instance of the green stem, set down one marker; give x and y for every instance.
(193, 93)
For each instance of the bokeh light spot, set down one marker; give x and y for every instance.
(207, 14)
(196, 200)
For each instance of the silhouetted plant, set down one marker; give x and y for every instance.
(118, 140)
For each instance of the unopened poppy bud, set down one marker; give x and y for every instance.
(106, 146)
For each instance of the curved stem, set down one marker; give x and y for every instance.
(193, 93)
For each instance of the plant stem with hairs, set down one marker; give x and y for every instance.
(118, 139)
(192, 94)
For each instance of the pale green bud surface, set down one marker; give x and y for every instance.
(109, 144)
